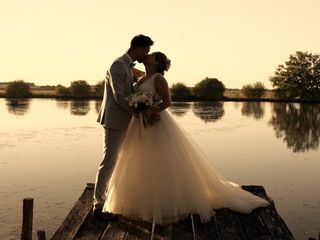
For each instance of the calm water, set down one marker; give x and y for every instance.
(50, 149)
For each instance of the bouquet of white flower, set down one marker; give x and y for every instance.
(141, 101)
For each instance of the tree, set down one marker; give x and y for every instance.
(62, 91)
(256, 90)
(180, 92)
(299, 77)
(209, 89)
(99, 88)
(18, 89)
(80, 88)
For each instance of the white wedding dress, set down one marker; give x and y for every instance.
(162, 176)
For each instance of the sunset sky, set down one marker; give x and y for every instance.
(52, 42)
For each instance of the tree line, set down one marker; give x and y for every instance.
(297, 79)
(77, 89)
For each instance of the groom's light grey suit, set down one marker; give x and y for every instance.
(114, 116)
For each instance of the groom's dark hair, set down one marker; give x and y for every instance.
(141, 41)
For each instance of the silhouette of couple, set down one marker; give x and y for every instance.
(161, 176)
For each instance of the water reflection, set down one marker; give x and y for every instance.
(179, 109)
(63, 104)
(297, 124)
(209, 111)
(80, 107)
(253, 109)
(17, 106)
(236, 105)
(97, 105)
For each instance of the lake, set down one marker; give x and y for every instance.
(50, 149)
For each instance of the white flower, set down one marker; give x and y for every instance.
(142, 98)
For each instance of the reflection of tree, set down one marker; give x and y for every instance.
(298, 125)
(236, 105)
(252, 109)
(62, 104)
(179, 109)
(97, 105)
(208, 111)
(80, 107)
(18, 106)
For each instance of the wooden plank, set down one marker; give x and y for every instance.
(141, 225)
(254, 226)
(229, 225)
(136, 229)
(76, 216)
(275, 227)
(163, 232)
(207, 230)
(262, 223)
(143, 230)
(269, 215)
(91, 229)
(135, 233)
(281, 222)
(182, 230)
(115, 231)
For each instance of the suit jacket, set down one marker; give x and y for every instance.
(115, 112)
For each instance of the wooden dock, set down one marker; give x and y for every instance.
(262, 224)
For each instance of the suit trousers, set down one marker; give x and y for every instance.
(112, 143)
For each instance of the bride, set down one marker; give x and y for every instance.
(161, 175)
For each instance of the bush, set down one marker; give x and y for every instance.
(257, 90)
(18, 89)
(209, 89)
(180, 92)
(62, 91)
(80, 89)
(99, 89)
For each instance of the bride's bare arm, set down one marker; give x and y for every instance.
(138, 74)
(162, 89)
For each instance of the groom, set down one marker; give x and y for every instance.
(115, 114)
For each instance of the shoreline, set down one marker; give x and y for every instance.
(230, 95)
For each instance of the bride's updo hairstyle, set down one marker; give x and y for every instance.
(163, 62)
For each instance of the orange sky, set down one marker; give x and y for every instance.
(52, 42)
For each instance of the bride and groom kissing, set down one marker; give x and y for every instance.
(162, 176)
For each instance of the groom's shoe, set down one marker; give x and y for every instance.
(104, 216)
